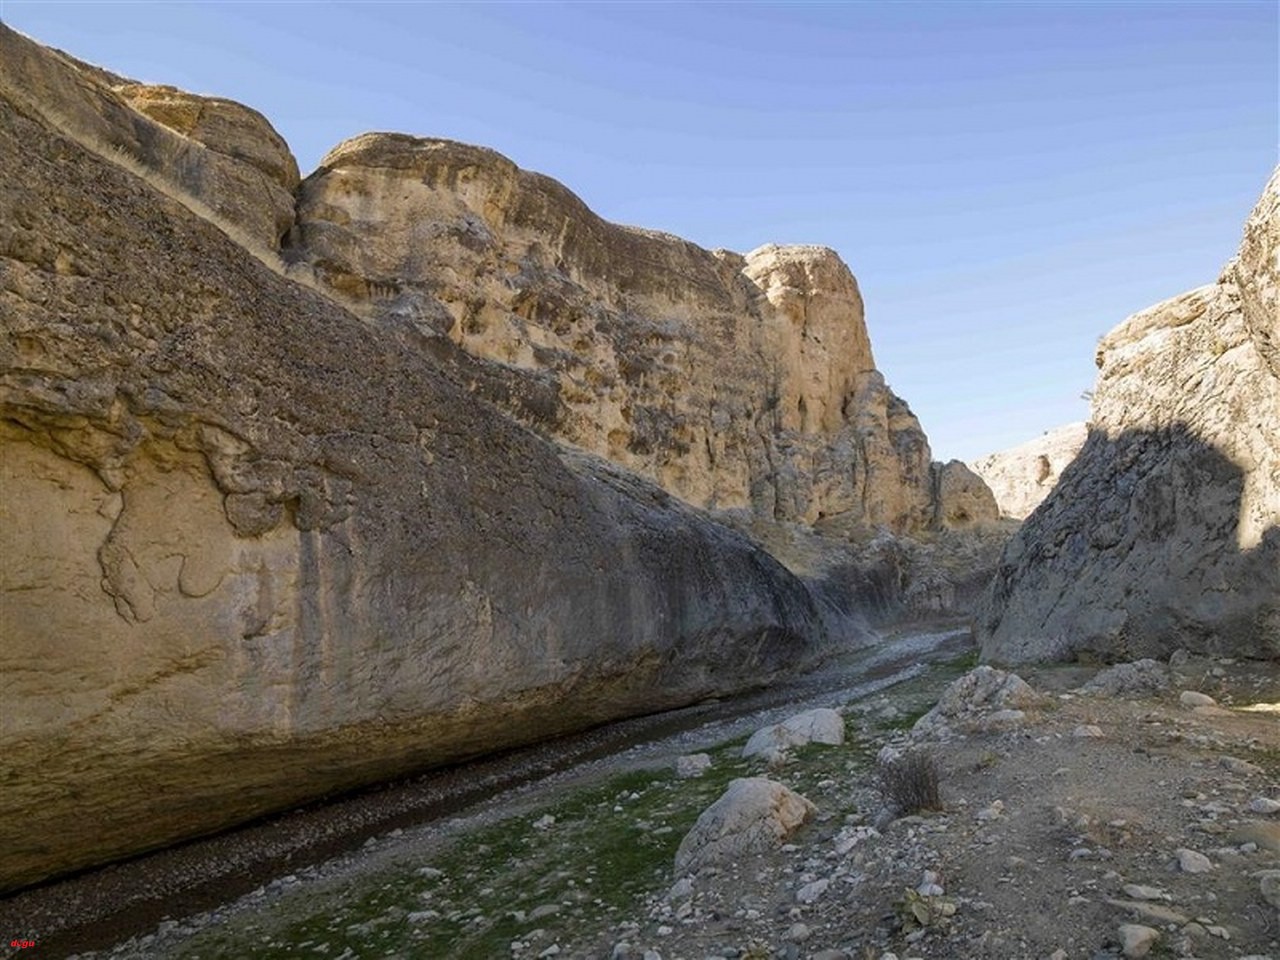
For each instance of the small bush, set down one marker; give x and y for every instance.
(909, 783)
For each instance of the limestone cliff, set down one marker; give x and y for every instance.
(737, 382)
(1022, 476)
(1165, 530)
(254, 549)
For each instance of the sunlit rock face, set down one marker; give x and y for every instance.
(1022, 476)
(736, 382)
(1165, 530)
(255, 550)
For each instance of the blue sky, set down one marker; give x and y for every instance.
(1007, 181)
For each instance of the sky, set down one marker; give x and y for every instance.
(1007, 181)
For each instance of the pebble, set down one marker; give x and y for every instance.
(812, 891)
(1264, 805)
(1193, 698)
(1269, 885)
(693, 765)
(544, 822)
(799, 933)
(990, 812)
(1087, 731)
(1189, 861)
(1136, 940)
(1139, 892)
(1240, 767)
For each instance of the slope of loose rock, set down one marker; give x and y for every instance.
(255, 550)
(1165, 530)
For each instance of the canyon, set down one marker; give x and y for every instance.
(313, 482)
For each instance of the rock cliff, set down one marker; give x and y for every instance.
(1022, 476)
(256, 549)
(739, 383)
(1165, 530)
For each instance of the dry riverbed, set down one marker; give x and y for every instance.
(1060, 837)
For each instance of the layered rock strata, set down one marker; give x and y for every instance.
(1021, 477)
(743, 383)
(255, 550)
(1165, 530)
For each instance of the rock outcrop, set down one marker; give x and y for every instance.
(218, 153)
(739, 383)
(1021, 477)
(1165, 530)
(256, 550)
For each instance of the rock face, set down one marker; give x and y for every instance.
(1022, 476)
(961, 497)
(256, 550)
(741, 383)
(222, 154)
(1165, 531)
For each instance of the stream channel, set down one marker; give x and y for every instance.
(98, 908)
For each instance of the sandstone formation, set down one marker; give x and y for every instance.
(1022, 476)
(1165, 531)
(223, 155)
(256, 549)
(739, 383)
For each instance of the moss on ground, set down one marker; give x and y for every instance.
(610, 846)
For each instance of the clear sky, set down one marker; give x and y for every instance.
(1008, 181)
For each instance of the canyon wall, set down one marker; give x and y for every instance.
(1021, 477)
(737, 382)
(1164, 532)
(255, 549)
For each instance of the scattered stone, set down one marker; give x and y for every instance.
(1086, 731)
(1137, 940)
(1240, 767)
(1266, 834)
(693, 765)
(799, 933)
(1264, 805)
(543, 910)
(1138, 892)
(1153, 912)
(1140, 678)
(753, 814)
(544, 822)
(1193, 698)
(813, 726)
(990, 812)
(812, 891)
(682, 889)
(1189, 861)
(1269, 886)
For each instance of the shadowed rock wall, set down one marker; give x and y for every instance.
(1165, 530)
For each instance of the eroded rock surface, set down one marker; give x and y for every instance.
(1022, 476)
(223, 154)
(1164, 533)
(255, 550)
(742, 383)
(752, 815)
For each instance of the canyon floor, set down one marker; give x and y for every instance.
(1058, 828)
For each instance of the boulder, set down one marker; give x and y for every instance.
(983, 692)
(753, 815)
(1142, 678)
(822, 725)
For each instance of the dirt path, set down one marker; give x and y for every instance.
(104, 906)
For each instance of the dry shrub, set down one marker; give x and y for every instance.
(909, 783)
